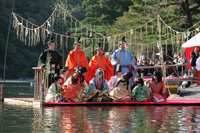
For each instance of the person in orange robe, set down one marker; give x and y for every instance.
(101, 61)
(77, 58)
(75, 85)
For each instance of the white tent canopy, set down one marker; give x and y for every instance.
(194, 41)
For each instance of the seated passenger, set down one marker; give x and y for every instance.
(98, 88)
(157, 87)
(141, 70)
(188, 74)
(121, 91)
(75, 84)
(150, 70)
(63, 75)
(141, 92)
(118, 74)
(54, 92)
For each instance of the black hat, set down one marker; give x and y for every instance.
(118, 68)
(51, 41)
(64, 69)
(123, 40)
(76, 69)
(127, 75)
(82, 70)
(99, 46)
(78, 40)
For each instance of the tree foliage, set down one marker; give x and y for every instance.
(104, 12)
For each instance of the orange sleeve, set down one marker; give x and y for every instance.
(104, 63)
(109, 69)
(92, 67)
(71, 62)
(84, 62)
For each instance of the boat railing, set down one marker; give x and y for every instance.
(161, 66)
(40, 81)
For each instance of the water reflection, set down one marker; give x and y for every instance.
(100, 119)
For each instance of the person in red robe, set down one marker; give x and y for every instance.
(157, 87)
(75, 85)
(101, 61)
(77, 58)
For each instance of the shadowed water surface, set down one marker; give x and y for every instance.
(15, 118)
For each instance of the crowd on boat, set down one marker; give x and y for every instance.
(104, 79)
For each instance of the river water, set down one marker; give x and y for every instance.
(120, 119)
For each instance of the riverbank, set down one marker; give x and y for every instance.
(187, 93)
(16, 81)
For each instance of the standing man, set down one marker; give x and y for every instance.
(101, 61)
(77, 58)
(52, 57)
(125, 58)
(194, 56)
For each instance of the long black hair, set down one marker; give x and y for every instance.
(158, 74)
(139, 81)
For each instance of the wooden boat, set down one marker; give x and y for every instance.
(169, 102)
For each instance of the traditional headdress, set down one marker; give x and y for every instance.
(118, 68)
(100, 46)
(64, 69)
(78, 40)
(51, 41)
(99, 73)
(123, 40)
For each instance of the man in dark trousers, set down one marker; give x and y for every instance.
(194, 56)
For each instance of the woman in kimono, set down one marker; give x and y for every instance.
(121, 91)
(157, 87)
(113, 79)
(63, 75)
(54, 90)
(98, 88)
(141, 92)
(75, 85)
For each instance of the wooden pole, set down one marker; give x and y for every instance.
(161, 51)
(2, 92)
(42, 100)
(6, 51)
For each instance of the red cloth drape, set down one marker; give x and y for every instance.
(188, 55)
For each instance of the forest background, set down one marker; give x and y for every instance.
(108, 17)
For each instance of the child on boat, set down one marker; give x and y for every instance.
(113, 79)
(141, 92)
(98, 88)
(157, 87)
(121, 91)
(54, 92)
(75, 84)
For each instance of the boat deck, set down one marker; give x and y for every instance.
(175, 102)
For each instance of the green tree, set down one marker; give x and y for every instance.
(104, 12)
